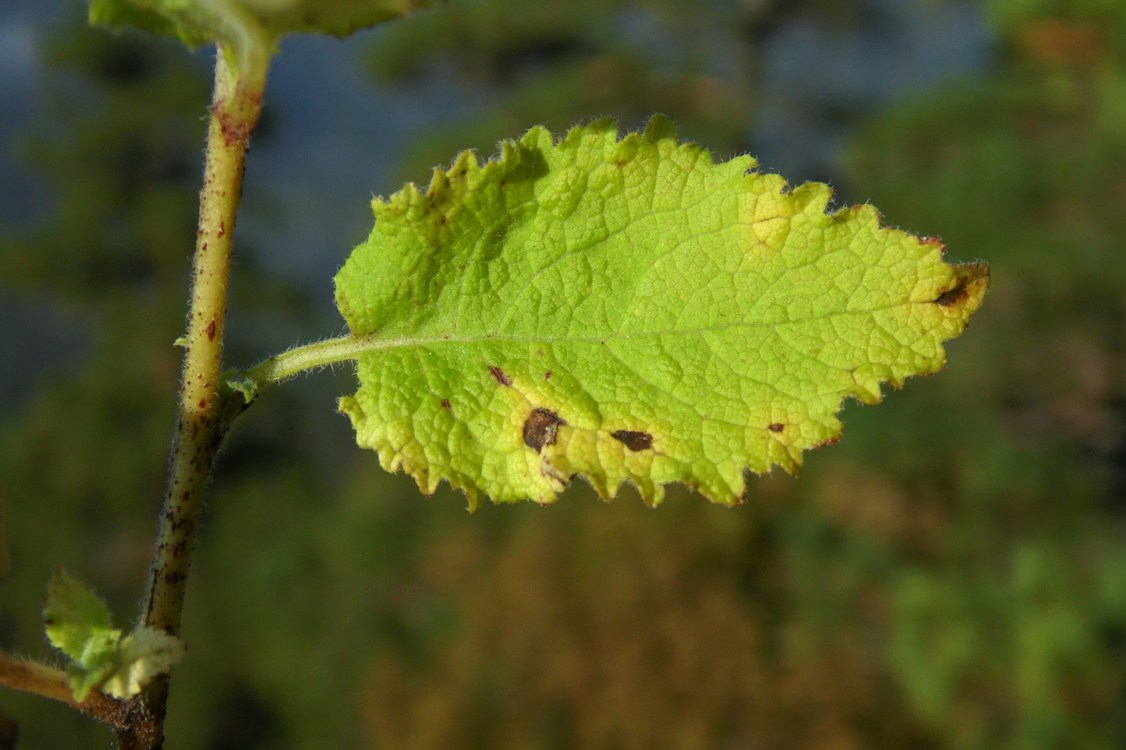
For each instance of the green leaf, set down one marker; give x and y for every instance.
(77, 620)
(229, 22)
(629, 311)
(78, 624)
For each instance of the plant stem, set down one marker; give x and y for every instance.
(33, 677)
(324, 353)
(205, 405)
(234, 114)
(303, 358)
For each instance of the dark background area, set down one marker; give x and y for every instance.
(951, 575)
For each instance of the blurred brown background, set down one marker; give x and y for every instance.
(951, 575)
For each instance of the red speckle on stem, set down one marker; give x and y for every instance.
(211, 330)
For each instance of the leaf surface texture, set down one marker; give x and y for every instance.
(627, 310)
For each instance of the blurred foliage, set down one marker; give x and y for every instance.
(558, 63)
(82, 460)
(951, 575)
(1014, 636)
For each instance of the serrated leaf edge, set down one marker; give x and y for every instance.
(467, 173)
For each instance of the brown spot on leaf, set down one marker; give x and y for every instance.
(953, 296)
(541, 428)
(446, 404)
(635, 441)
(777, 427)
(499, 374)
(547, 375)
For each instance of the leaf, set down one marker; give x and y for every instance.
(629, 311)
(77, 620)
(198, 22)
(78, 624)
(145, 653)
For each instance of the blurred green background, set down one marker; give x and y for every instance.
(951, 575)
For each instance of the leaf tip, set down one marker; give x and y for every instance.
(606, 126)
(971, 281)
(659, 128)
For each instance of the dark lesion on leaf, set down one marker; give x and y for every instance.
(972, 278)
(776, 427)
(500, 375)
(541, 428)
(953, 296)
(635, 441)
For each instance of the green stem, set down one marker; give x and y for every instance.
(204, 412)
(314, 356)
(301, 359)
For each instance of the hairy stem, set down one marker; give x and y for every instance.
(325, 353)
(301, 359)
(204, 407)
(33, 677)
(234, 114)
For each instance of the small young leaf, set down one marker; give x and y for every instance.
(78, 624)
(628, 310)
(144, 654)
(77, 620)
